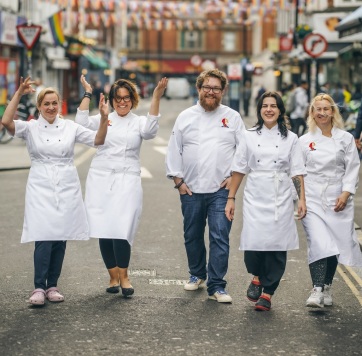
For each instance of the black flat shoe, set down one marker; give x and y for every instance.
(127, 291)
(113, 289)
(254, 291)
(263, 303)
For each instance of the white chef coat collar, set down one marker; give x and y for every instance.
(336, 132)
(43, 122)
(129, 115)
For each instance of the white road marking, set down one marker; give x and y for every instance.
(145, 173)
(161, 149)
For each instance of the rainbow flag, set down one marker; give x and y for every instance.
(55, 23)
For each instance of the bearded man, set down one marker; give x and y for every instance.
(199, 157)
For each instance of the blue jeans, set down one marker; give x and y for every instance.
(196, 209)
(48, 262)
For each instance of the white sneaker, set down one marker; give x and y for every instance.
(327, 293)
(316, 299)
(194, 283)
(221, 296)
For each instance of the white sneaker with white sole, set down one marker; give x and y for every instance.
(194, 283)
(221, 296)
(316, 298)
(327, 294)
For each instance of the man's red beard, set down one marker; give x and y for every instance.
(207, 105)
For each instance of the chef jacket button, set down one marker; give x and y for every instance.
(258, 160)
(278, 133)
(258, 145)
(59, 140)
(45, 126)
(57, 126)
(276, 146)
(47, 140)
(275, 161)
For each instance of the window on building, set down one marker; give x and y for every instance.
(229, 41)
(190, 40)
(133, 40)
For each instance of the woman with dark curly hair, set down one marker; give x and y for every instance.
(113, 197)
(270, 154)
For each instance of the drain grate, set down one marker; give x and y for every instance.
(142, 272)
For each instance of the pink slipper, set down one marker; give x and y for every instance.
(37, 297)
(53, 295)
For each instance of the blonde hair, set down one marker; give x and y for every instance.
(44, 92)
(336, 120)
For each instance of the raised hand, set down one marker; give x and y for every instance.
(25, 86)
(87, 87)
(103, 108)
(161, 87)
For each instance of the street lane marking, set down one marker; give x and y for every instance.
(167, 282)
(350, 284)
(161, 149)
(356, 277)
(84, 156)
(142, 272)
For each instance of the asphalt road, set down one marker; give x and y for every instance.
(162, 318)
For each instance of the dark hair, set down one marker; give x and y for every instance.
(283, 123)
(132, 89)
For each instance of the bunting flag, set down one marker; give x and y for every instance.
(55, 23)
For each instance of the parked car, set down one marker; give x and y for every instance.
(177, 88)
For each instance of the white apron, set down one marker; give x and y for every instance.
(268, 215)
(332, 166)
(113, 196)
(54, 209)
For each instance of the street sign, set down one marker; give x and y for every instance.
(234, 71)
(315, 44)
(29, 34)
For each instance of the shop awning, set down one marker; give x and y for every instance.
(350, 28)
(95, 59)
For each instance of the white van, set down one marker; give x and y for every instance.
(177, 88)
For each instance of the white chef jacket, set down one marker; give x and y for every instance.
(114, 196)
(333, 165)
(54, 208)
(202, 147)
(270, 161)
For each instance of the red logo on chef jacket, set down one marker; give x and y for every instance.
(109, 122)
(225, 122)
(311, 146)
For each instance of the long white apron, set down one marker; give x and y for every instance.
(268, 214)
(54, 208)
(329, 233)
(113, 203)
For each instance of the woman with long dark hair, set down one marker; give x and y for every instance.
(270, 154)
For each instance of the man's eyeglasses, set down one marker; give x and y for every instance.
(126, 99)
(215, 90)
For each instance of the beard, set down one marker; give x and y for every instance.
(209, 103)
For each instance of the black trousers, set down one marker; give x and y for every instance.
(48, 262)
(269, 266)
(323, 271)
(115, 252)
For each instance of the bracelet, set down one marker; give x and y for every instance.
(233, 198)
(178, 185)
(88, 95)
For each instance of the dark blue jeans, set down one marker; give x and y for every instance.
(48, 262)
(196, 209)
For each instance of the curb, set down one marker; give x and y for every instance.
(359, 234)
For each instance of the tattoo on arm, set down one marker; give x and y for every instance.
(297, 184)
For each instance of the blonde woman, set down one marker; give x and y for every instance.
(332, 164)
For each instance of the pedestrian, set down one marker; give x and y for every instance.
(97, 91)
(200, 152)
(297, 115)
(260, 92)
(246, 95)
(54, 209)
(269, 154)
(332, 164)
(113, 196)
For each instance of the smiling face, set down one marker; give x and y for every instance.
(208, 99)
(49, 107)
(269, 112)
(322, 113)
(122, 102)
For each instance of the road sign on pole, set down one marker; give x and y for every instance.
(29, 34)
(315, 44)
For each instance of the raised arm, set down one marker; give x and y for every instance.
(8, 117)
(84, 104)
(103, 126)
(156, 97)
